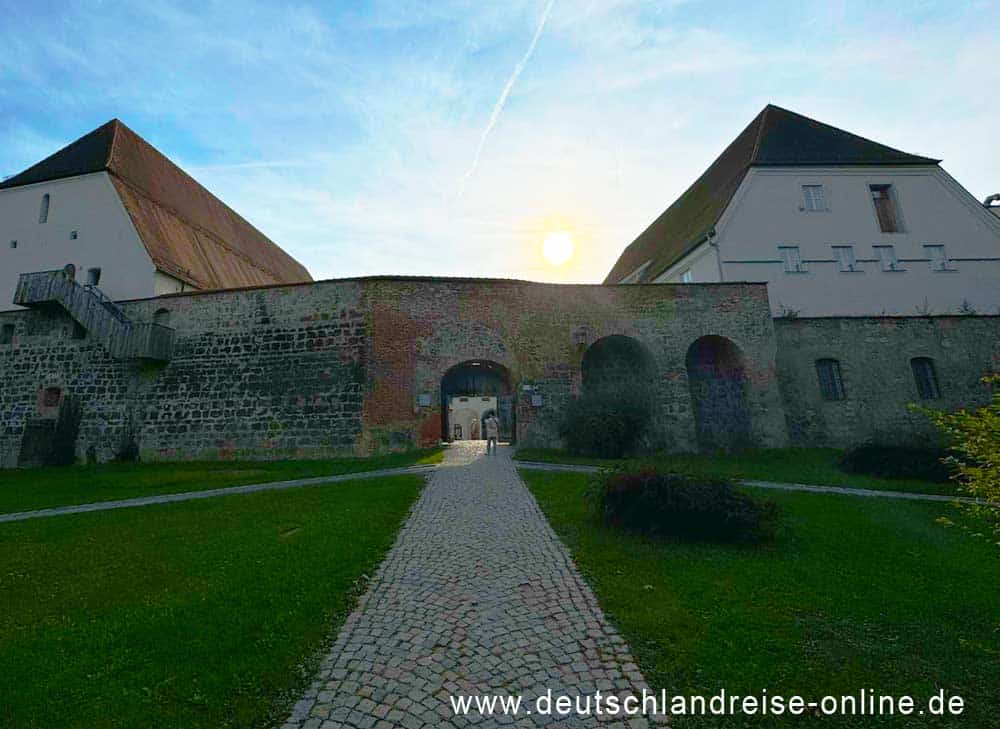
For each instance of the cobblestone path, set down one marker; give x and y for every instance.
(477, 596)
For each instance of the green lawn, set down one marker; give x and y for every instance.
(197, 614)
(853, 593)
(792, 465)
(40, 488)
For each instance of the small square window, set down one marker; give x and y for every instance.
(813, 198)
(938, 258)
(13, 244)
(846, 261)
(51, 397)
(93, 276)
(792, 259)
(73, 235)
(887, 258)
(686, 277)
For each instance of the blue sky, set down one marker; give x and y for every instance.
(425, 138)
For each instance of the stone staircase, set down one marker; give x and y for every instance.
(103, 319)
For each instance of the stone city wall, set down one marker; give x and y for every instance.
(874, 355)
(355, 366)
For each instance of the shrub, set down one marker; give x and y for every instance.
(674, 505)
(923, 464)
(607, 422)
(975, 437)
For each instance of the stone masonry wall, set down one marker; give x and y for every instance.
(539, 333)
(874, 355)
(355, 366)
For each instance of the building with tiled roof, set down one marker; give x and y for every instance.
(836, 224)
(128, 218)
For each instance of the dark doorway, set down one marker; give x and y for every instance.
(479, 379)
(717, 379)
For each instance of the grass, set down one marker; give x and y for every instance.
(853, 593)
(40, 488)
(198, 614)
(791, 465)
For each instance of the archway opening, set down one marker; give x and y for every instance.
(616, 362)
(614, 413)
(470, 392)
(718, 384)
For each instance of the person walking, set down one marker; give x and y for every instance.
(492, 426)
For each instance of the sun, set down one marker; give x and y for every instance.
(557, 248)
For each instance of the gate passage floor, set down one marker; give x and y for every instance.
(476, 597)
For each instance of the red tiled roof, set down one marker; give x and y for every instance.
(189, 233)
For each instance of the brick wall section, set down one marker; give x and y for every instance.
(338, 367)
(539, 332)
(874, 355)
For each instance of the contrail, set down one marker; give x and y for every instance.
(504, 94)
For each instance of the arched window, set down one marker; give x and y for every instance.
(162, 317)
(831, 384)
(43, 211)
(926, 378)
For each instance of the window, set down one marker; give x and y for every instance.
(925, 377)
(13, 244)
(51, 397)
(845, 258)
(792, 259)
(7, 334)
(43, 211)
(887, 257)
(938, 258)
(814, 199)
(686, 277)
(831, 384)
(73, 235)
(885, 208)
(93, 276)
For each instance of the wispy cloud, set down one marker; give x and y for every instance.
(344, 130)
(501, 102)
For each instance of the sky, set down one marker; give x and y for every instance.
(450, 138)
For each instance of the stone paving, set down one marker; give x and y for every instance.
(477, 596)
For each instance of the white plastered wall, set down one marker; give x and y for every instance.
(106, 238)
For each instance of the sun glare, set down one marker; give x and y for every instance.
(557, 248)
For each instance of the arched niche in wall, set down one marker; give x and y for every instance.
(717, 378)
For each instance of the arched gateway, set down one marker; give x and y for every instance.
(472, 390)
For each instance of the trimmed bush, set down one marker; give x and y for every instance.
(607, 422)
(681, 507)
(922, 464)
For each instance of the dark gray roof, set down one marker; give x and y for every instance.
(776, 137)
